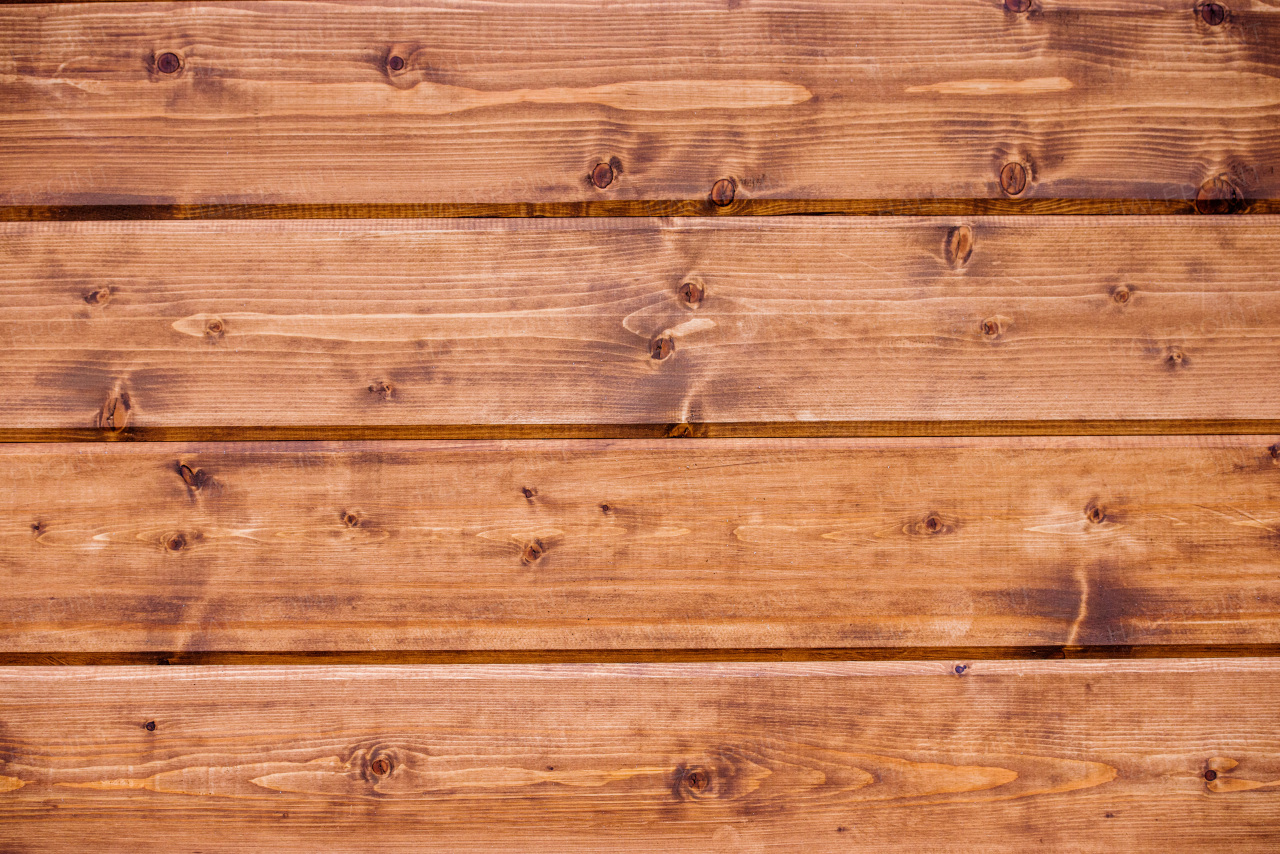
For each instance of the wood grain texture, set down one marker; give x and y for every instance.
(493, 102)
(932, 756)
(119, 326)
(594, 545)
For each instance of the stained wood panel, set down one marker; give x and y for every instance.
(938, 756)
(547, 102)
(123, 326)
(633, 545)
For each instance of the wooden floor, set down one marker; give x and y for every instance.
(722, 425)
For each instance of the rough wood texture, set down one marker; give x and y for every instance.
(497, 102)
(635, 321)
(940, 756)
(639, 544)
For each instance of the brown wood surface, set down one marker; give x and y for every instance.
(121, 326)
(497, 102)
(635, 545)
(936, 756)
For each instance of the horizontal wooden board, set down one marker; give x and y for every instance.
(932, 756)
(408, 101)
(633, 545)
(121, 326)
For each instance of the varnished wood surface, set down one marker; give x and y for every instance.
(929, 756)
(131, 326)
(549, 102)
(635, 545)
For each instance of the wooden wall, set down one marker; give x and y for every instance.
(750, 425)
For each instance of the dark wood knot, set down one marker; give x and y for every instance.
(168, 63)
(602, 175)
(723, 191)
(1013, 178)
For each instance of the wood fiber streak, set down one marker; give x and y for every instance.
(274, 325)
(404, 102)
(932, 756)
(639, 545)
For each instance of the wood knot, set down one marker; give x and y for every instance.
(380, 767)
(1213, 14)
(175, 542)
(1121, 294)
(995, 326)
(114, 414)
(395, 63)
(692, 782)
(691, 294)
(194, 478)
(932, 525)
(1094, 513)
(960, 669)
(958, 246)
(723, 191)
(101, 296)
(680, 431)
(529, 492)
(1013, 178)
(602, 175)
(1017, 7)
(662, 348)
(1174, 358)
(1219, 196)
(168, 63)
(214, 328)
(606, 509)
(149, 726)
(533, 552)
(351, 519)
(384, 389)
(1210, 775)
(1274, 450)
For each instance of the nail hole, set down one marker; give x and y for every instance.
(602, 175)
(723, 191)
(168, 63)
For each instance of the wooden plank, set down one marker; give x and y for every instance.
(408, 101)
(597, 545)
(635, 321)
(932, 756)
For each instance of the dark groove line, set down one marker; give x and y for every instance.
(720, 430)
(639, 656)
(638, 208)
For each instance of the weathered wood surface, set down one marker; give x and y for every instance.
(634, 321)
(662, 544)
(937, 756)
(494, 102)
